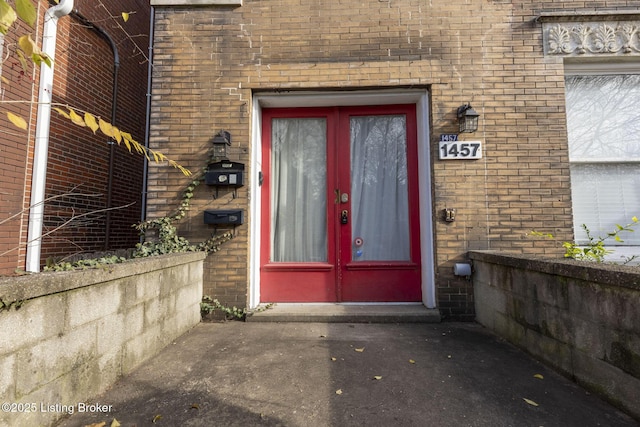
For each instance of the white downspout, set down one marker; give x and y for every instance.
(43, 122)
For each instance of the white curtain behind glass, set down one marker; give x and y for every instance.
(603, 123)
(379, 192)
(298, 190)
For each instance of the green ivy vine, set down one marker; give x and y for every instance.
(209, 305)
(595, 250)
(167, 240)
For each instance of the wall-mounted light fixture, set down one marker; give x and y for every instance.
(467, 118)
(220, 143)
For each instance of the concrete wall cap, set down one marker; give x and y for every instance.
(21, 288)
(606, 274)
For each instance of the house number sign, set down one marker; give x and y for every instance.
(467, 150)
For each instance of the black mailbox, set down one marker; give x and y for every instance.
(225, 173)
(233, 217)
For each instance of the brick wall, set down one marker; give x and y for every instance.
(78, 160)
(14, 148)
(208, 61)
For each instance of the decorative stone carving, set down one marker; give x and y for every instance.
(592, 38)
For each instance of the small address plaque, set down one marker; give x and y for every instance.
(467, 150)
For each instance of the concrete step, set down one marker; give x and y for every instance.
(345, 313)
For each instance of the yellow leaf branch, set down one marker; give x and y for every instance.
(94, 123)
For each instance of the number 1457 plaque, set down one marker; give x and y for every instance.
(467, 150)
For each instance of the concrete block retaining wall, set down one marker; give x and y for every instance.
(582, 318)
(66, 337)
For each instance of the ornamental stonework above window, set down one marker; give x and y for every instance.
(597, 33)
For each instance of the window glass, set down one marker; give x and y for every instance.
(603, 124)
(603, 117)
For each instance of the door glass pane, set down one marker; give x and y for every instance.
(379, 192)
(298, 190)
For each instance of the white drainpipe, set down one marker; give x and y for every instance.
(41, 148)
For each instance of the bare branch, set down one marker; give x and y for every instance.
(48, 199)
(115, 19)
(73, 218)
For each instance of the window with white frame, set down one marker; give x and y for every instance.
(603, 124)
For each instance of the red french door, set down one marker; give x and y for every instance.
(340, 218)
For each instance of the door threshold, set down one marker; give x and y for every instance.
(345, 313)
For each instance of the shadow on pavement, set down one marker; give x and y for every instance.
(318, 374)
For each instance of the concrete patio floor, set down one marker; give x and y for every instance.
(346, 374)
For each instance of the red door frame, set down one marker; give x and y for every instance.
(339, 279)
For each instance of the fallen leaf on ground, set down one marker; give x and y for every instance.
(115, 423)
(339, 391)
(156, 418)
(530, 402)
(195, 406)
(359, 350)
(412, 361)
(538, 376)
(333, 359)
(377, 377)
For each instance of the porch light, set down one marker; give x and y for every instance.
(467, 118)
(220, 143)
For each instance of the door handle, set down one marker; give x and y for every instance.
(344, 217)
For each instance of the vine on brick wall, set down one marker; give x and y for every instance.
(167, 239)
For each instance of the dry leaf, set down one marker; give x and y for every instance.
(377, 377)
(75, 118)
(530, 402)
(118, 136)
(412, 361)
(17, 121)
(538, 376)
(125, 16)
(195, 406)
(339, 391)
(91, 122)
(27, 45)
(156, 418)
(62, 113)
(115, 423)
(7, 17)
(26, 11)
(359, 350)
(105, 127)
(333, 359)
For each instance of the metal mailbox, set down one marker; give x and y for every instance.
(232, 217)
(225, 173)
